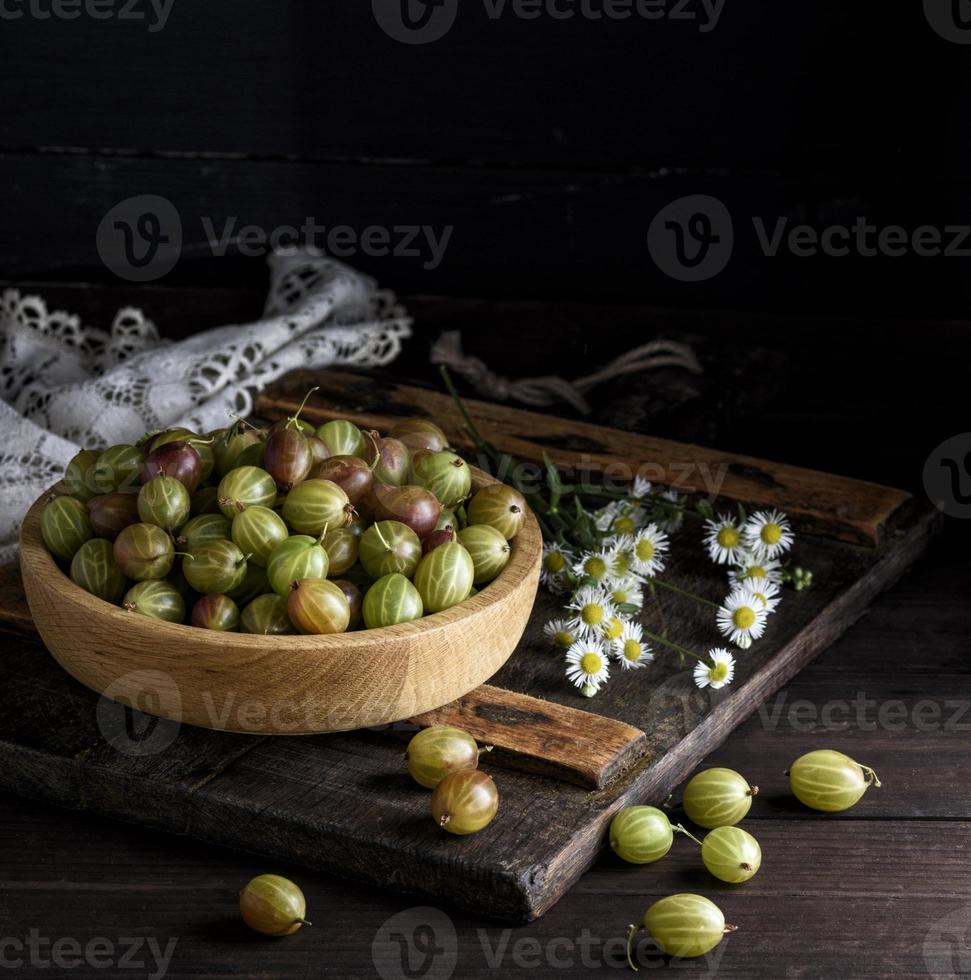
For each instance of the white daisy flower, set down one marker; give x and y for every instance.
(629, 648)
(628, 520)
(595, 565)
(647, 551)
(768, 534)
(675, 515)
(718, 672)
(604, 517)
(591, 608)
(556, 563)
(766, 592)
(723, 539)
(749, 567)
(586, 663)
(618, 558)
(612, 629)
(558, 630)
(742, 618)
(641, 488)
(627, 591)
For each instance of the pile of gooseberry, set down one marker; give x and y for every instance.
(289, 530)
(687, 925)
(445, 760)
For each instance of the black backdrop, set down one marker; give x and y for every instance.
(547, 145)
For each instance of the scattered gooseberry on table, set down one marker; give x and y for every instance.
(717, 797)
(683, 925)
(273, 906)
(830, 781)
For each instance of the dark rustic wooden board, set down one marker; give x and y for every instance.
(344, 804)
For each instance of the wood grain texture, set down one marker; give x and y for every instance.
(280, 685)
(543, 737)
(844, 508)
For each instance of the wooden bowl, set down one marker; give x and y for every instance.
(280, 685)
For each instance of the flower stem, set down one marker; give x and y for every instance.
(674, 646)
(686, 593)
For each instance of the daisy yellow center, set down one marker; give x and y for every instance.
(555, 562)
(591, 663)
(728, 537)
(644, 550)
(620, 597)
(755, 571)
(744, 617)
(719, 672)
(621, 563)
(632, 650)
(563, 639)
(761, 597)
(613, 628)
(624, 525)
(771, 533)
(595, 567)
(592, 614)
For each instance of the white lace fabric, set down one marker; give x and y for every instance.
(66, 386)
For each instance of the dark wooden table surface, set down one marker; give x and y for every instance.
(881, 891)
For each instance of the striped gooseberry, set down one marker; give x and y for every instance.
(420, 434)
(499, 506)
(64, 526)
(465, 802)
(391, 600)
(344, 438)
(245, 486)
(205, 527)
(287, 457)
(351, 473)
(642, 834)
(229, 443)
(717, 798)
(314, 506)
(341, 546)
(266, 615)
(683, 925)
(215, 568)
(445, 474)
(444, 577)
(257, 531)
(155, 599)
(144, 551)
(488, 548)
(299, 557)
(165, 502)
(215, 612)
(273, 906)
(355, 600)
(95, 570)
(77, 476)
(111, 513)
(393, 460)
(318, 606)
(731, 854)
(830, 781)
(117, 468)
(439, 750)
(176, 459)
(412, 505)
(389, 546)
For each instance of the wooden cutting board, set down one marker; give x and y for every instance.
(563, 764)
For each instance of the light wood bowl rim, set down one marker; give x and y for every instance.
(527, 550)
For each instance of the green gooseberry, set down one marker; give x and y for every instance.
(731, 854)
(165, 502)
(643, 834)
(315, 506)
(216, 568)
(94, 568)
(117, 468)
(489, 550)
(78, 475)
(297, 558)
(255, 583)
(683, 925)
(717, 798)
(501, 507)
(65, 526)
(388, 547)
(257, 531)
(316, 606)
(229, 443)
(391, 600)
(344, 438)
(144, 551)
(204, 527)
(341, 547)
(245, 486)
(444, 577)
(215, 612)
(445, 474)
(830, 781)
(266, 615)
(156, 599)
